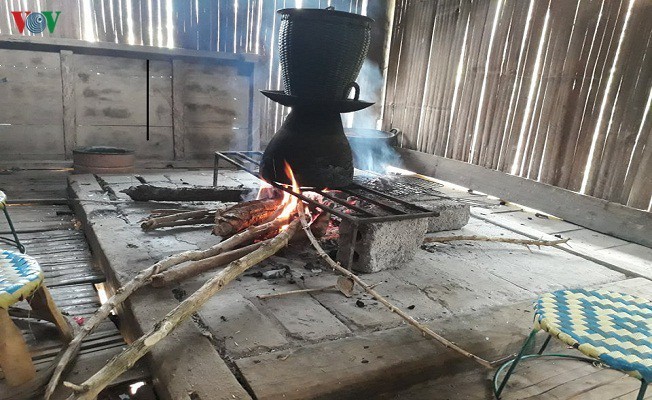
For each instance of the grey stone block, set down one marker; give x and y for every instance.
(452, 215)
(240, 325)
(381, 245)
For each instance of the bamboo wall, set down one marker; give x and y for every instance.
(555, 91)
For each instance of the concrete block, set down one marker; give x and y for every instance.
(452, 214)
(381, 245)
(238, 323)
(305, 319)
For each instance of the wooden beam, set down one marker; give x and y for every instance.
(178, 124)
(69, 102)
(34, 43)
(590, 212)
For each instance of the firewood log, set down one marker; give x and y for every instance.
(244, 215)
(158, 193)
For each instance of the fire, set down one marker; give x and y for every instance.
(289, 202)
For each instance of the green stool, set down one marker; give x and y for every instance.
(614, 329)
(14, 241)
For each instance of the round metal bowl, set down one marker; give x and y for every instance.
(371, 137)
(103, 160)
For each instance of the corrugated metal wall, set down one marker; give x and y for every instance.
(556, 91)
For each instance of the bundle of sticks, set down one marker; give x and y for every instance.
(250, 232)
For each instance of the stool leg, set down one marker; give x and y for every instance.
(42, 301)
(15, 360)
(545, 344)
(514, 362)
(641, 392)
(21, 248)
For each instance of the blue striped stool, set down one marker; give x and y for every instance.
(3, 207)
(21, 278)
(612, 328)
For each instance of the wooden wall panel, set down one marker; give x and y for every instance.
(553, 91)
(215, 104)
(31, 124)
(31, 142)
(105, 103)
(30, 87)
(111, 91)
(214, 96)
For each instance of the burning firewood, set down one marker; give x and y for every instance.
(244, 215)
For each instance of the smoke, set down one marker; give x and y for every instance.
(370, 81)
(374, 155)
(369, 151)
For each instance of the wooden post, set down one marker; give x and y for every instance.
(42, 302)
(178, 125)
(69, 102)
(15, 360)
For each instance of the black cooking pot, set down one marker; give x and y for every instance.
(372, 137)
(373, 150)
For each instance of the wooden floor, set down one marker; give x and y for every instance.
(544, 378)
(50, 233)
(48, 230)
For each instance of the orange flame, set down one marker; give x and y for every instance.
(289, 202)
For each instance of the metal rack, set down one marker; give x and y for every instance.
(393, 208)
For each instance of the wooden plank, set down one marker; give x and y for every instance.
(482, 18)
(394, 48)
(639, 196)
(69, 102)
(449, 34)
(584, 243)
(629, 101)
(602, 216)
(569, 113)
(495, 69)
(178, 123)
(518, 118)
(33, 43)
(614, 17)
(508, 80)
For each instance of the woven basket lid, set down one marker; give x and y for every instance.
(321, 14)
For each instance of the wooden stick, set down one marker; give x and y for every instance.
(176, 219)
(525, 242)
(70, 352)
(424, 329)
(291, 292)
(344, 285)
(178, 274)
(123, 361)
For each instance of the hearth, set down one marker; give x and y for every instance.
(361, 208)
